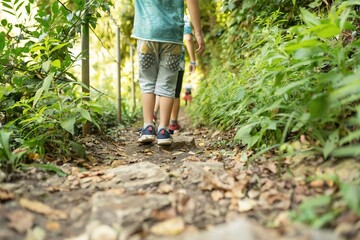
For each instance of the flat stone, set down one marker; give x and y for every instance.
(125, 212)
(137, 175)
(182, 141)
(238, 229)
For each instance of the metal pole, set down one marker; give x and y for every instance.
(85, 62)
(132, 77)
(118, 63)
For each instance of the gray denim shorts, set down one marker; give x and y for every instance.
(158, 67)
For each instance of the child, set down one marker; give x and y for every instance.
(187, 96)
(188, 39)
(158, 26)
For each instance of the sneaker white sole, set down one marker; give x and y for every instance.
(164, 142)
(146, 139)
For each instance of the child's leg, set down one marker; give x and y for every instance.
(176, 104)
(148, 103)
(166, 105)
(170, 55)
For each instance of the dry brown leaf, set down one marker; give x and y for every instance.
(118, 163)
(169, 227)
(161, 215)
(53, 226)
(318, 183)
(217, 195)
(165, 188)
(238, 189)
(272, 166)
(177, 153)
(42, 208)
(92, 159)
(245, 205)
(253, 194)
(5, 195)
(191, 159)
(20, 220)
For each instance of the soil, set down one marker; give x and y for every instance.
(200, 183)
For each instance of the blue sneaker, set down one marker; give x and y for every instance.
(164, 137)
(147, 135)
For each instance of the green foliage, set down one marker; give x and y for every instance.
(39, 95)
(9, 159)
(321, 210)
(315, 211)
(351, 194)
(283, 82)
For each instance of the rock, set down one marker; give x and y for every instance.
(103, 232)
(125, 212)
(181, 142)
(239, 229)
(170, 227)
(137, 175)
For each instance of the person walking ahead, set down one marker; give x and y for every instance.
(158, 28)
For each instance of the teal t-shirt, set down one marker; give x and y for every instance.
(159, 20)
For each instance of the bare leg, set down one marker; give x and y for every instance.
(148, 104)
(166, 104)
(175, 109)
(157, 104)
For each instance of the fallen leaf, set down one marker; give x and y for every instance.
(165, 188)
(272, 167)
(245, 205)
(42, 208)
(253, 194)
(202, 144)
(117, 163)
(20, 220)
(5, 195)
(318, 183)
(169, 227)
(53, 226)
(108, 176)
(191, 159)
(177, 153)
(161, 215)
(217, 195)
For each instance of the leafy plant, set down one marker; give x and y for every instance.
(283, 82)
(9, 159)
(39, 96)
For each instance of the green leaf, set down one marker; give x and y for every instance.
(322, 220)
(56, 63)
(316, 202)
(78, 148)
(85, 114)
(37, 96)
(2, 41)
(348, 151)
(46, 65)
(350, 137)
(47, 82)
(49, 167)
(331, 143)
(68, 124)
(309, 18)
(4, 22)
(57, 47)
(351, 195)
(290, 86)
(4, 144)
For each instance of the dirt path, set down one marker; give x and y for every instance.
(199, 188)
